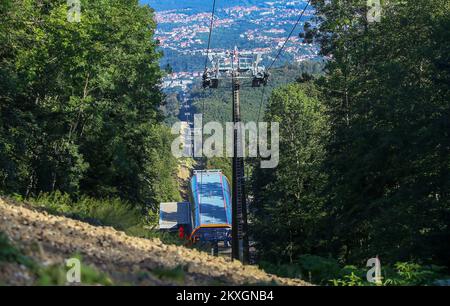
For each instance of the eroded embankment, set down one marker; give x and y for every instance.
(49, 239)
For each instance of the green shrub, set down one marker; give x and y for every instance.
(106, 212)
(318, 268)
(177, 274)
(10, 254)
(113, 212)
(57, 275)
(309, 267)
(350, 280)
(401, 274)
(327, 271)
(283, 270)
(55, 202)
(412, 274)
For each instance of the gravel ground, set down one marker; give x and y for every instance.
(51, 239)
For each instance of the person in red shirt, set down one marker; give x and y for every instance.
(181, 232)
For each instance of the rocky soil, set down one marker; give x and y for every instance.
(49, 239)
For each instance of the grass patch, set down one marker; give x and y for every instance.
(327, 271)
(177, 274)
(114, 212)
(49, 275)
(105, 212)
(10, 254)
(56, 275)
(400, 274)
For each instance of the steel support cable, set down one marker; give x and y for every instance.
(261, 103)
(211, 26)
(290, 35)
(281, 50)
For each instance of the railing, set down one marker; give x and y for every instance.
(211, 171)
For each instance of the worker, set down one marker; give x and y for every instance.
(181, 232)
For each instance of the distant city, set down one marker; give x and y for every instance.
(258, 26)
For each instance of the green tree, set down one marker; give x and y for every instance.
(288, 208)
(388, 158)
(79, 102)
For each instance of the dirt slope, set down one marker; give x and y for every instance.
(127, 260)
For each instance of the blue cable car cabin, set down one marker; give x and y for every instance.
(211, 207)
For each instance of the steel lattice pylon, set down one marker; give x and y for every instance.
(236, 66)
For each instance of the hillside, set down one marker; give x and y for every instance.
(217, 103)
(250, 25)
(49, 240)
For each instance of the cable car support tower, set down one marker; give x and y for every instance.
(236, 66)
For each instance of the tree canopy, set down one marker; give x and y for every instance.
(288, 203)
(79, 102)
(387, 157)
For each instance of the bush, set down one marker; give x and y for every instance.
(10, 254)
(48, 275)
(412, 274)
(57, 275)
(283, 270)
(177, 274)
(54, 203)
(318, 268)
(401, 274)
(327, 271)
(312, 268)
(105, 212)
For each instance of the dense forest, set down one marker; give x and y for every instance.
(79, 103)
(364, 150)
